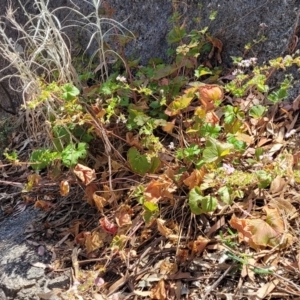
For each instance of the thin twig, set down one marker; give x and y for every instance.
(212, 287)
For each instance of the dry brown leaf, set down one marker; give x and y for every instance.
(81, 237)
(182, 255)
(283, 205)
(278, 185)
(34, 179)
(123, 215)
(89, 192)
(245, 138)
(44, 205)
(265, 290)
(133, 140)
(159, 189)
(196, 178)
(99, 201)
(168, 128)
(159, 291)
(164, 231)
(247, 270)
(94, 241)
(85, 174)
(115, 166)
(168, 268)
(216, 44)
(64, 188)
(263, 141)
(260, 234)
(212, 118)
(208, 94)
(198, 245)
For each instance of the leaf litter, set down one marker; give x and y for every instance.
(132, 225)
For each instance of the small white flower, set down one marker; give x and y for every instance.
(237, 72)
(228, 169)
(121, 79)
(171, 146)
(290, 133)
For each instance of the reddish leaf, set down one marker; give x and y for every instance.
(108, 226)
(208, 94)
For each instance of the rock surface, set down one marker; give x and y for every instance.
(19, 278)
(237, 23)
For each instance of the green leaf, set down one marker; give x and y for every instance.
(207, 129)
(155, 163)
(138, 162)
(201, 204)
(70, 92)
(71, 154)
(278, 96)
(176, 35)
(215, 150)
(225, 194)
(201, 71)
(151, 211)
(257, 111)
(163, 71)
(238, 145)
(264, 179)
(42, 158)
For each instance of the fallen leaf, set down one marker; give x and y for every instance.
(159, 189)
(108, 226)
(64, 188)
(99, 201)
(164, 231)
(168, 268)
(244, 138)
(94, 241)
(89, 193)
(44, 205)
(259, 233)
(283, 205)
(198, 245)
(275, 148)
(168, 128)
(182, 255)
(159, 291)
(123, 215)
(216, 44)
(85, 174)
(81, 237)
(196, 178)
(34, 179)
(278, 185)
(208, 94)
(266, 289)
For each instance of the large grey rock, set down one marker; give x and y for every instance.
(20, 279)
(237, 23)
